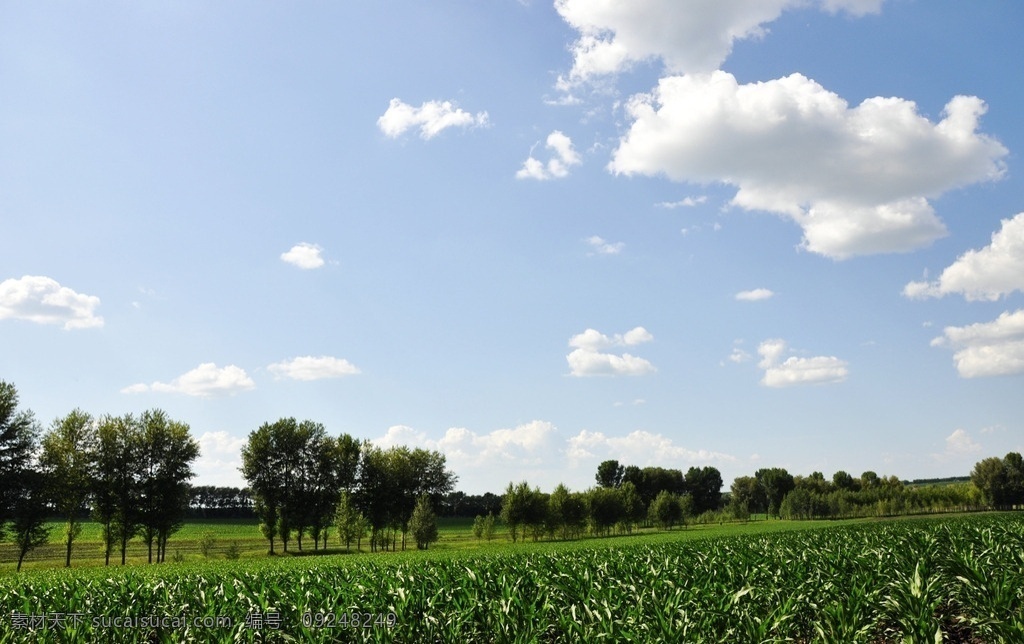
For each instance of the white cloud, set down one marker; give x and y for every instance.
(305, 256)
(219, 459)
(987, 274)
(204, 381)
(592, 339)
(432, 118)
(587, 359)
(310, 368)
(640, 448)
(738, 356)
(987, 348)
(524, 444)
(959, 445)
(583, 362)
(856, 179)
(754, 295)
(686, 202)
(528, 450)
(602, 247)
(795, 370)
(694, 36)
(44, 301)
(563, 157)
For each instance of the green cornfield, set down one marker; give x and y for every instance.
(954, 580)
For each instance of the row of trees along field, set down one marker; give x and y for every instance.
(625, 497)
(628, 496)
(133, 471)
(303, 481)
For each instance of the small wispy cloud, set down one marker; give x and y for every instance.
(313, 368)
(755, 295)
(687, 202)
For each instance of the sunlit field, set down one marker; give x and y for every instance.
(960, 577)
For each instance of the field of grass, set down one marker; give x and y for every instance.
(456, 535)
(960, 577)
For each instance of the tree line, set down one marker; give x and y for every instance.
(304, 482)
(131, 472)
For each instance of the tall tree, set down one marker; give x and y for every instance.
(989, 476)
(376, 492)
(18, 432)
(30, 513)
(666, 509)
(704, 485)
(605, 508)
(609, 473)
(167, 451)
(263, 465)
(423, 523)
(843, 480)
(116, 486)
(68, 458)
(515, 506)
(348, 518)
(776, 482)
(747, 496)
(1013, 465)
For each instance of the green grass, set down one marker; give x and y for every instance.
(456, 536)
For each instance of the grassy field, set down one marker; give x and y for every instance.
(865, 581)
(455, 536)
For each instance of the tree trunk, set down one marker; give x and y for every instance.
(71, 537)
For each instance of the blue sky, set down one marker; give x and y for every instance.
(533, 236)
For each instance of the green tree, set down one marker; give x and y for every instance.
(989, 476)
(843, 480)
(633, 510)
(30, 513)
(18, 432)
(423, 523)
(704, 485)
(1013, 465)
(515, 506)
(116, 486)
(609, 474)
(166, 451)
(869, 480)
(747, 496)
(263, 464)
(776, 483)
(605, 508)
(68, 460)
(666, 509)
(349, 519)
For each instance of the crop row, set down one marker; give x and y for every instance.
(960, 579)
